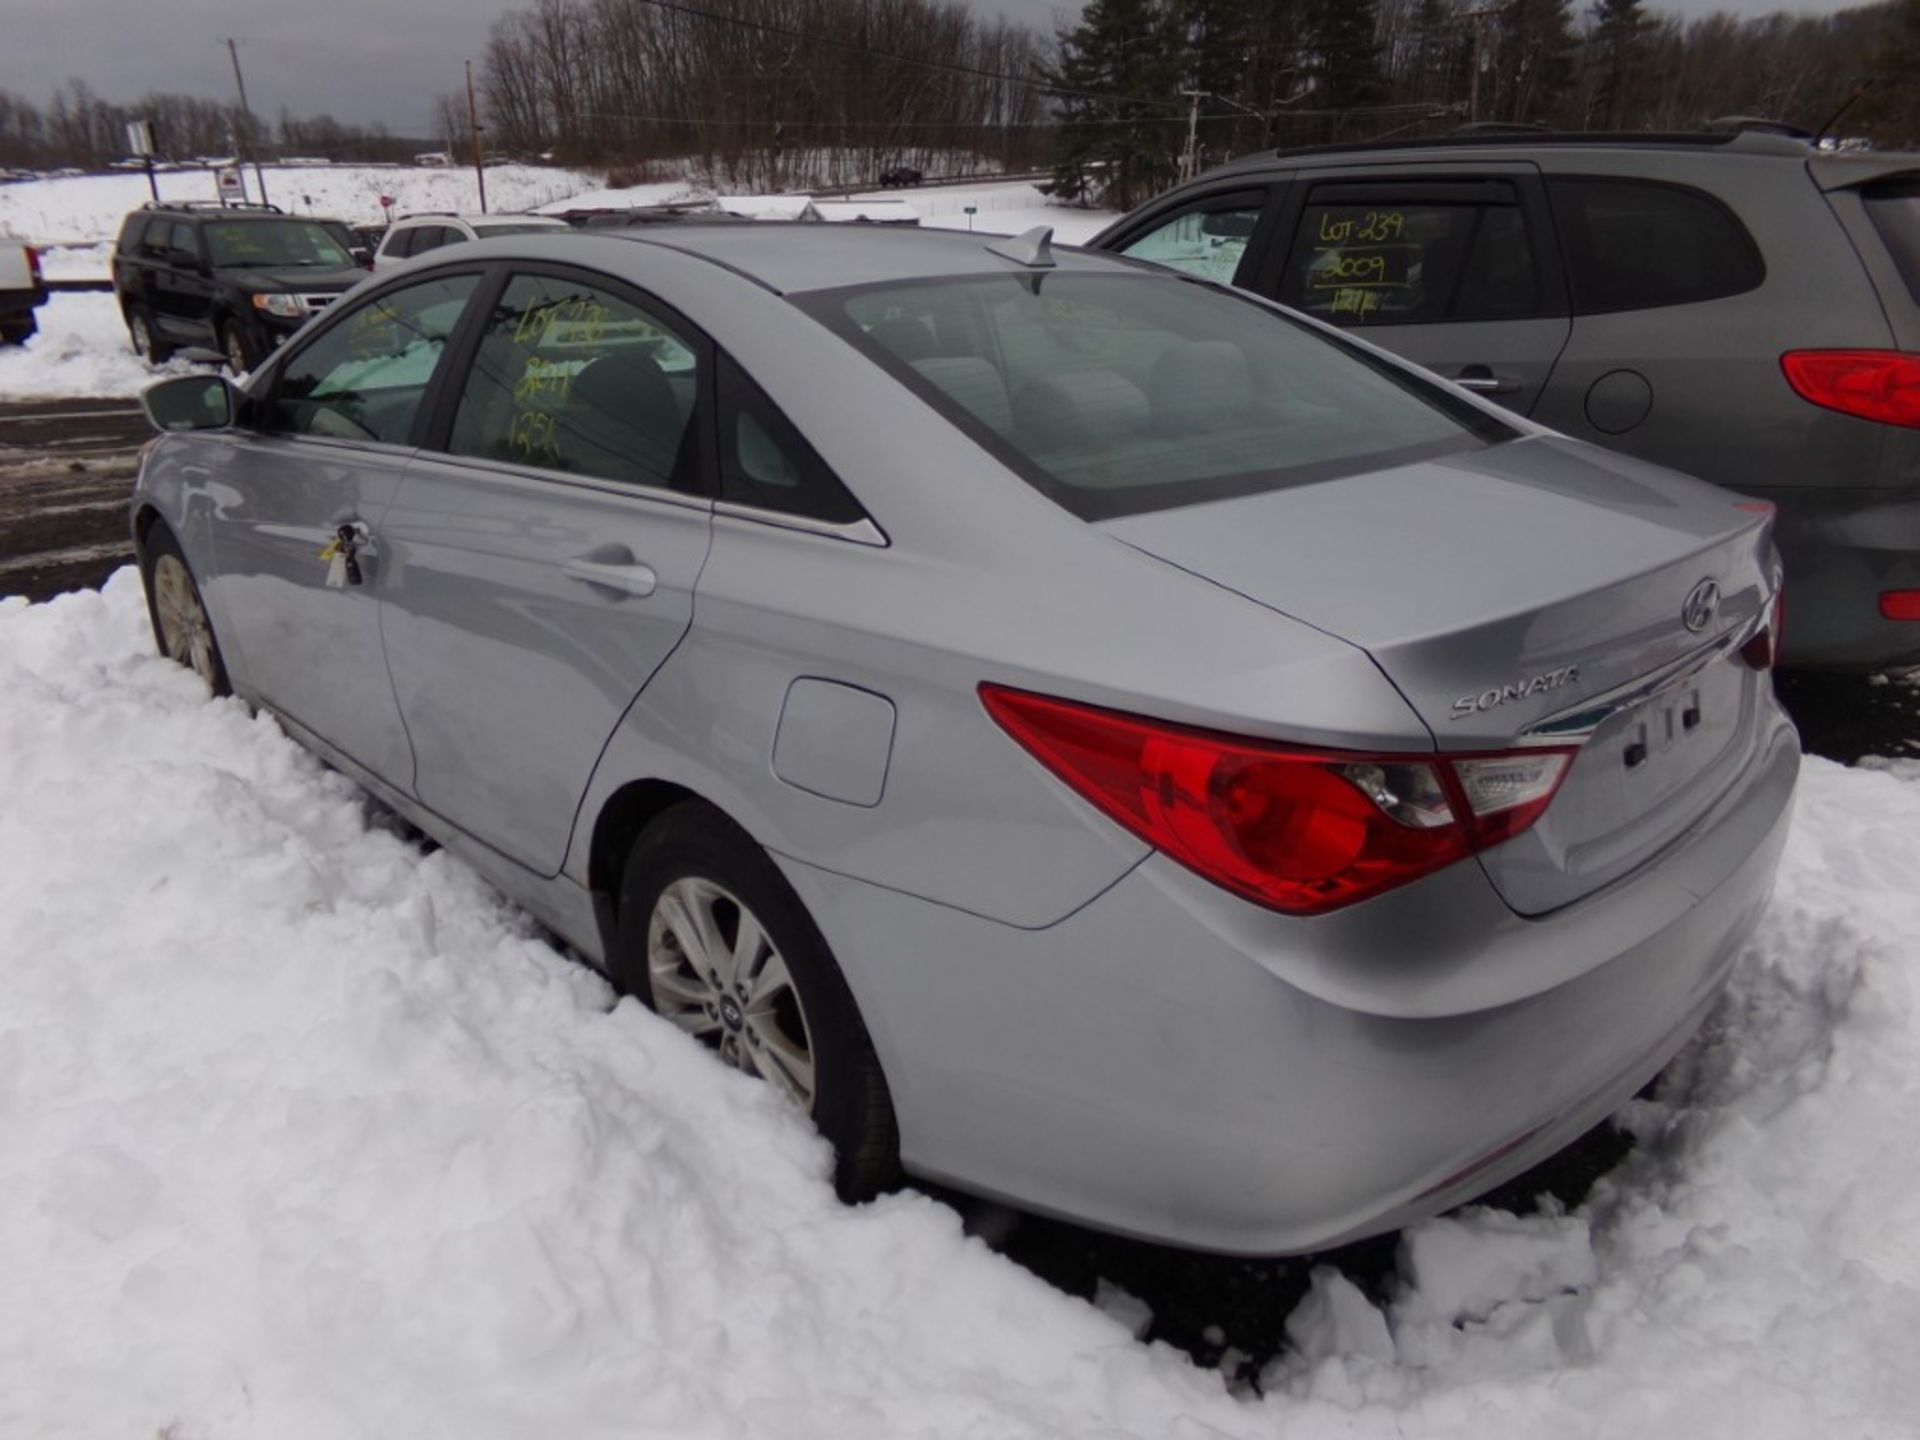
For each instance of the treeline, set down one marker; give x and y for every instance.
(1281, 73)
(772, 94)
(80, 128)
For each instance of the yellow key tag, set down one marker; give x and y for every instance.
(333, 549)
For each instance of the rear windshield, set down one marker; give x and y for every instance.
(1895, 210)
(1118, 394)
(274, 245)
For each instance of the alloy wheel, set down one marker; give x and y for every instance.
(184, 629)
(236, 352)
(142, 336)
(717, 974)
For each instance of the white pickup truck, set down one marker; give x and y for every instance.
(22, 291)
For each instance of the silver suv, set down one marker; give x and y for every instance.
(1744, 307)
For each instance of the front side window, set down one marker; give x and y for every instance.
(274, 245)
(569, 377)
(1209, 240)
(1121, 394)
(184, 244)
(1378, 260)
(1636, 245)
(364, 377)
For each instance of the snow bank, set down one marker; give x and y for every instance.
(303, 1133)
(87, 208)
(81, 350)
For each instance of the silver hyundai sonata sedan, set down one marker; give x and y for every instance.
(1083, 734)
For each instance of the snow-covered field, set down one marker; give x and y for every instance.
(304, 1133)
(87, 208)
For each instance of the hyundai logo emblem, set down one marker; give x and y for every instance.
(1702, 604)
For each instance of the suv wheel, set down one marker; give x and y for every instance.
(233, 345)
(145, 345)
(713, 938)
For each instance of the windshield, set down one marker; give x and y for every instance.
(1895, 209)
(274, 245)
(1117, 394)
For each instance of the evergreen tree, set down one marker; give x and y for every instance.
(1533, 62)
(1620, 31)
(1119, 72)
(1891, 109)
(1347, 62)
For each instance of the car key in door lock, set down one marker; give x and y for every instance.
(343, 558)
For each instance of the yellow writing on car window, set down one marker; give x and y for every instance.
(573, 321)
(1367, 227)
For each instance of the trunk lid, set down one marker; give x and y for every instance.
(1522, 582)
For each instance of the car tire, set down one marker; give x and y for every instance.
(182, 629)
(694, 873)
(146, 344)
(236, 349)
(19, 330)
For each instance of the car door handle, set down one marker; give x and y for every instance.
(629, 577)
(1482, 381)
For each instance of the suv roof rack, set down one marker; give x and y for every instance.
(1769, 137)
(427, 215)
(192, 205)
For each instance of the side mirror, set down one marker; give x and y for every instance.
(192, 402)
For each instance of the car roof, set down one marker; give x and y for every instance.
(788, 258)
(1509, 145)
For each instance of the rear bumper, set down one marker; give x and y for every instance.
(1841, 549)
(1171, 1063)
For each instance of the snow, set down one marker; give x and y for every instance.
(82, 350)
(88, 208)
(305, 1133)
(625, 198)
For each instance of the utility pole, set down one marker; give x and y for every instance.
(1479, 18)
(1190, 157)
(473, 126)
(233, 53)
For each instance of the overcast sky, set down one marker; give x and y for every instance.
(370, 61)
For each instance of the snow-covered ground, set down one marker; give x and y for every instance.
(1002, 207)
(304, 1133)
(87, 208)
(81, 350)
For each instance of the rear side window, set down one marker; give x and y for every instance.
(1436, 253)
(399, 244)
(1895, 209)
(1118, 394)
(571, 378)
(765, 462)
(1635, 245)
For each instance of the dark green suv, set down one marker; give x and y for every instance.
(1741, 306)
(239, 279)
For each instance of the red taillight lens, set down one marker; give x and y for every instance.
(1900, 604)
(33, 264)
(1881, 385)
(1303, 831)
(1762, 652)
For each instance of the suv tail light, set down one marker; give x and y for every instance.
(1900, 604)
(33, 266)
(1297, 830)
(1881, 385)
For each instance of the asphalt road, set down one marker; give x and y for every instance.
(66, 470)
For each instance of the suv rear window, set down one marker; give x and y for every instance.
(1116, 395)
(1638, 245)
(1895, 209)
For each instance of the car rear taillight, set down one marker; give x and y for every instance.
(1881, 385)
(1298, 830)
(1762, 652)
(33, 265)
(1900, 604)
